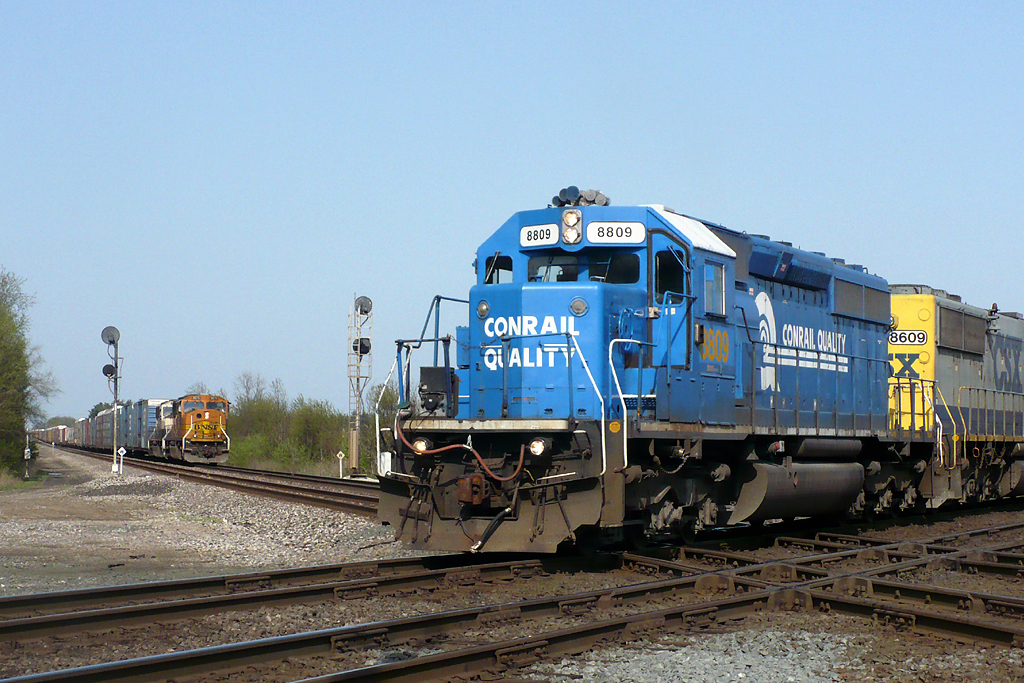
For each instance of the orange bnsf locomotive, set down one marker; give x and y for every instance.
(192, 428)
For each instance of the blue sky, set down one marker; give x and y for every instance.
(218, 180)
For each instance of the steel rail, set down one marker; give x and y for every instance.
(222, 657)
(513, 654)
(755, 594)
(329, 493)
(34, 627)
(37, 604)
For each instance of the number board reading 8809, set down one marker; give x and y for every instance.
(616, 232)
(538, 235)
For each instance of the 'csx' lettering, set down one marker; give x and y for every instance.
(1006, 355)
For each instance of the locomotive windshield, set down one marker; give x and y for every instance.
(560, 268)
(499, 270)
(191, 405)
(613, 267)
(217, 405)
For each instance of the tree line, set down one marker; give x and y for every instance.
(25, 383)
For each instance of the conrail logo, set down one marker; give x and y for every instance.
(766, 332)
(526, 326)
(800, 347)
(542, 355)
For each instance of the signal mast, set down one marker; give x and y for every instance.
(360, 366)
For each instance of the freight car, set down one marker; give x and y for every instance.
(192, 428)
(634, 374)
(56, 435)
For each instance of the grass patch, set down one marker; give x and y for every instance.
(259, 452)
(11, 482)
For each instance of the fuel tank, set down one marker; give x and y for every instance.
(774, 491)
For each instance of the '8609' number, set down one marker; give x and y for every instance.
(916, 337)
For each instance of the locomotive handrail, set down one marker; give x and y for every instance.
(224, 431)
(799, 358)
(898, 386)
(191, 426)
(435, 308)
(376, 420)
(618, 389)
(982, 406)
(938, 430)
(600, 397)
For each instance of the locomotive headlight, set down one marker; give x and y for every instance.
(571, 235)
(421, 445)
(578, 307)
(571, 232)
(482, 309)
(539, 446)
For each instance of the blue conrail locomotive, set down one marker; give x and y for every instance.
(632, 373)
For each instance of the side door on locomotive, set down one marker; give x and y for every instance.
(690, 322)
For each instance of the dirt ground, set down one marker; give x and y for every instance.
(81, 525)
(49, 540)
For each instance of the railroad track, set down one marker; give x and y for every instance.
(357, 496)
(690, 590)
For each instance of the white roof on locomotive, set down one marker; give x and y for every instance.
(696, 232)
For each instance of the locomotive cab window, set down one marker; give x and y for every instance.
(615, 268)
(669, 277)
(191, 405)
(560, 268)
(498, 270)
(714, 289)
(216, 405)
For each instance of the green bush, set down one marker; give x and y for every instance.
(304, 435)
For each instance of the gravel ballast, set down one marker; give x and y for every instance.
(85, 526)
